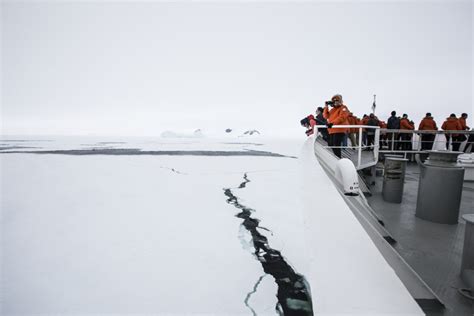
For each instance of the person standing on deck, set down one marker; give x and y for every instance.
(393, 122)
(427, 124)
(364, 121)
(372, 121)
(383, 135)
(311, 121)
(406, 124)
(336, 116)
(462, 121)
(464, 127)
(353, 132)
(320, 120)
(452, 124)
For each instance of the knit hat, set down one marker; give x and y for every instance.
(336, 97)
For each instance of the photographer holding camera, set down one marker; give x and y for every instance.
(310, 121)
(337, 115)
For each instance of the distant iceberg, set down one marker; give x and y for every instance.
(171, 134)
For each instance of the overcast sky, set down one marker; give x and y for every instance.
(140, 68)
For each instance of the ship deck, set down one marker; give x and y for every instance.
(433, 250)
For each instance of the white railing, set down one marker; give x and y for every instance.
(410, 141)
(363, 155)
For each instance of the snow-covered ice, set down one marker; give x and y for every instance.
(144, 234)
(122, 234)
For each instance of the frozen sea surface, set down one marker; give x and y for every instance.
(147, 144)
(221, 226)
(143, 234)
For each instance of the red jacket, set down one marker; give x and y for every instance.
(352, 120)
(452, 124)
(405, 124)
(428, 124)
(462, 121)
(337, 116)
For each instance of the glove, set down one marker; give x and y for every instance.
(309, 132)
(329, 125)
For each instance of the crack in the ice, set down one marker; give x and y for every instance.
(249, 294)
(293, 294)
(264, 228)
(243, 184)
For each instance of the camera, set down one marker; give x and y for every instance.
(305, 122)
(330, 103)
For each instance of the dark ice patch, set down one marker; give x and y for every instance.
(138, 152)
(25, 140)
(16, 147)
(237, 143)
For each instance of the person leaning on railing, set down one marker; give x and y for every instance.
(336, 116)
(310, 121)
(464, 127)
(427, 124)
(452, 124)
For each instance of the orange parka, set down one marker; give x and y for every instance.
(353, 120)
(337, 116)
(464, 126)
(405, 124)
(428, 124)
(452, 124)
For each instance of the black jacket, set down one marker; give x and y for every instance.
(393, 122)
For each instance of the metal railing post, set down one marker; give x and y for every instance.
(359, 149)
(393, 140)
(356, 152)
(377, 144)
